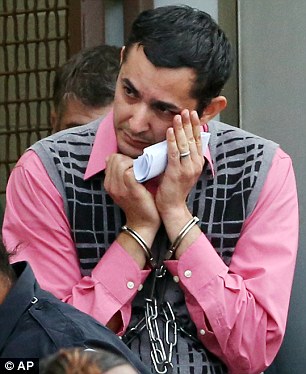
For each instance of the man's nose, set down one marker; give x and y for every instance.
(140, 119)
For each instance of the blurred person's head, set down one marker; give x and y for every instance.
(84, 87)
(80, 361)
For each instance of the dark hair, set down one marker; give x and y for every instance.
(6, 271)
(89, 76)
(181, 36)
(78, 361)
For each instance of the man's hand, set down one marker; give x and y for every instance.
(180, 175)
(182, 172)
(135, 200)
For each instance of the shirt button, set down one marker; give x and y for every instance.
(202, 332)
(176, 279)
(188, 273)
(130, 285)
(140, 287)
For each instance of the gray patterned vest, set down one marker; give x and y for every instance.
(222, 202)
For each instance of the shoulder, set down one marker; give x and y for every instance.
(281, 168)
(89, 128)
(220, 129)
(29, 161)
(281, 155)
(229, 142)
(79, 134)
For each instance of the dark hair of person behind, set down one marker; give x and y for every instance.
(6, 271)
(181, 36)
(78, 361)
(90, 76)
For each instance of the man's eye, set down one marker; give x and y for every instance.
(166, 111)
(128, 91)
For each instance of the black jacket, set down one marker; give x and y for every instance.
(34, 324)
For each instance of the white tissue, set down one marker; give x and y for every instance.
(153, 161)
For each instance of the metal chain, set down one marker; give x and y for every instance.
(161, 349)
(161, 345)
(171, 325)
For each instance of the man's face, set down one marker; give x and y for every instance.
(75, 113)
(146, 100)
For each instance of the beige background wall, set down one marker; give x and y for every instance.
(272, 70)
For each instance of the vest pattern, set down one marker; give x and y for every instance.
(222, 200)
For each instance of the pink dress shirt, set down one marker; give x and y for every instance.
(240, 311)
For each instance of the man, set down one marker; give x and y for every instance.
(34, 323)
(218, 298)
(84, 87)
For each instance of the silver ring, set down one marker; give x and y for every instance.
(185, 154)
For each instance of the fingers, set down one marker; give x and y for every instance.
(130, 181)
(117, 166)
(196, 129)
(187, 132)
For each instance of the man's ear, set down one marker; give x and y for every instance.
(216, 106)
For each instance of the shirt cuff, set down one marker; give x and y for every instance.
(119, 274)
(197, 266)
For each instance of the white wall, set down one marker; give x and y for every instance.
(114, 22)
(272, 97)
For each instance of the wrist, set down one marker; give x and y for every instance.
(185, 231)
(147, 232)
(176, 214)
(133, 249)
(146, 250)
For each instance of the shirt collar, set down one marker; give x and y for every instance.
(105, 144)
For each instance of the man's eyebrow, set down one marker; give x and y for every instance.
(158, 104)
